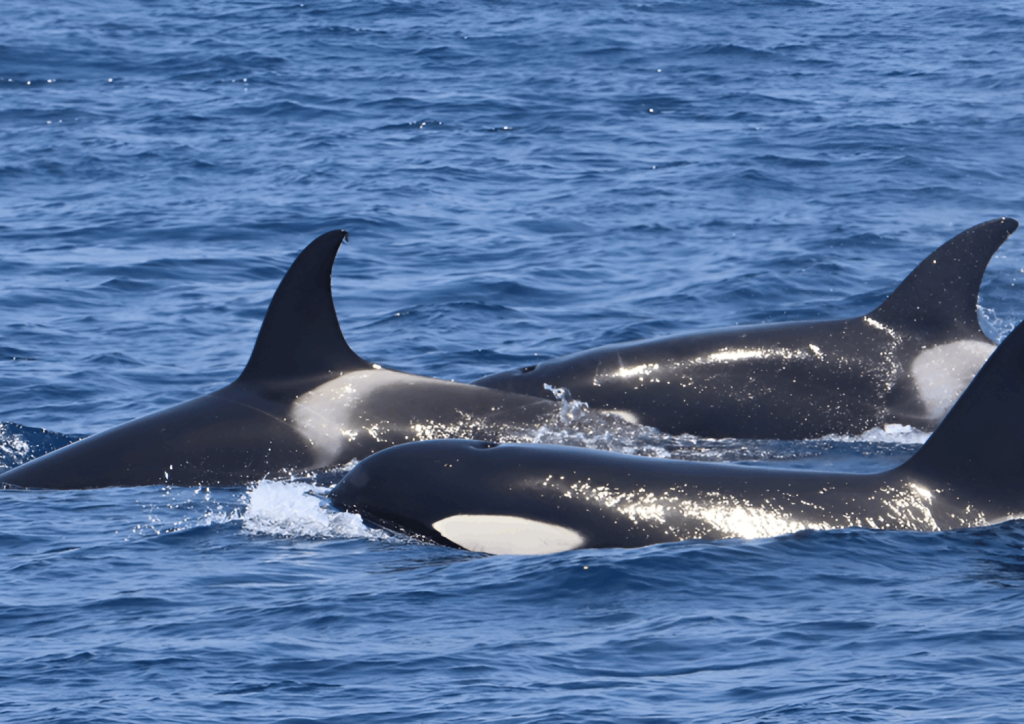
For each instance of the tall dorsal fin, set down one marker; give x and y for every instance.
(300, 337)
(978, 444)
(941, 294)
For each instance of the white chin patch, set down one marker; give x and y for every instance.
(507, 535)
(942, 373)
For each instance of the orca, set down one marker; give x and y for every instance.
(905, 362)
(305, 401)
(522, 498)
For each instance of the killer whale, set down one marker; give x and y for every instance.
(905, 362)
(305, 401)
(522, 498)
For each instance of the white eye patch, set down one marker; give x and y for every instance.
(507, 535)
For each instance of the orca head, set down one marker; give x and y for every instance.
(443, 491)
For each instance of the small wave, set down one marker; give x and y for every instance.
(891, 434)
(997, 326)
(19, 444)
(278, 508)
(572, 410)
(297, 510)
(579, 426)
(184, 509)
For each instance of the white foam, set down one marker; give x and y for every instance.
(626, 415)
(616, 430)
(890, 434)
(571, 410)
(296, 510)
(995, 326)
(598, 439)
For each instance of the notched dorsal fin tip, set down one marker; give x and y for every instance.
(941, 294)
(300, 336)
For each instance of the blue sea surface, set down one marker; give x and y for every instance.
(519, 181)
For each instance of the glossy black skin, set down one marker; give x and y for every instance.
(971, 471)
(787, 381)
(239, 435)
(254, 428)
(409, 487)
(856, 383)
(204, 441)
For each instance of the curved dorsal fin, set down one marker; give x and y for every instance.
(300, 337)
(941, 294)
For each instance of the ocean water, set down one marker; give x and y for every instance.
(519, 181)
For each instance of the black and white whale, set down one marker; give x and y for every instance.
(523, 499)
(905, 362)
(304, 401)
